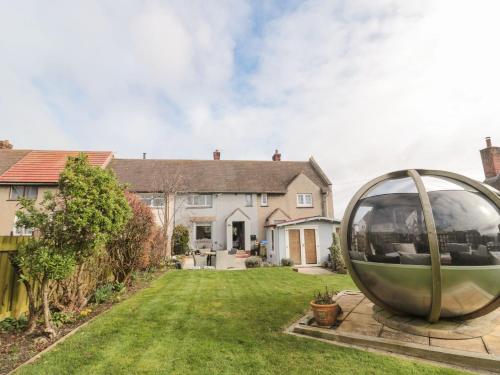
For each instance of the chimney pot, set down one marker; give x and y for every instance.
(488, 141)
(5, 145)
(276, 156)
(216, 155)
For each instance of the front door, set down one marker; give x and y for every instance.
(294, 245)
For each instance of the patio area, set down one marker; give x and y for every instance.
(473, 344)
(218, 260)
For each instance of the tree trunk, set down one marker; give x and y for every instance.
(81, 301)
(49, 330)
(32, 310)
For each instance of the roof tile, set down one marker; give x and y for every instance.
(45, 166)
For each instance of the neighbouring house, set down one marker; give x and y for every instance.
(305, 241)
(227, 204)
(490, 157)
(29, 174)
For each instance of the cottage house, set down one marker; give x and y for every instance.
(228, 204)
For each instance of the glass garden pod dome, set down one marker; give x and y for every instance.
(425, 243)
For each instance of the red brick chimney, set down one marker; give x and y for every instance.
(491, 159)
(216, 155)
(276, 156)
(5, 145)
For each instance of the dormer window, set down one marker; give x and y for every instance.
(22, 191)
(304, 200)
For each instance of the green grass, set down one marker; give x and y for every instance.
(206, 322)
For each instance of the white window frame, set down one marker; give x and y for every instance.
(302, 201)
(150, 200)
(205, 201)
(24, 190)
(203, 225)
(248, 200)
(263, 200)
(22, 231)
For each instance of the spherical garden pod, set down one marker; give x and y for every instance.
(425, 243)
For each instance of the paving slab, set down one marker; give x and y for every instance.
(492, 344)
(469, 345)
(361, 325)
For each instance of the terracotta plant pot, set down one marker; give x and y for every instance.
(325, 315)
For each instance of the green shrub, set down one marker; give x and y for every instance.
(13, 324)
(60, 318)
(338, 264)
(326, 298)
(103, 293)
(180, 239)
(286, 262)
(253, 262)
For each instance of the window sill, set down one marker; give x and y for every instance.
(305, 206)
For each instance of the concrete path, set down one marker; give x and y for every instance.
(313, 270)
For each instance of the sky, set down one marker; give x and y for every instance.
(366, 87)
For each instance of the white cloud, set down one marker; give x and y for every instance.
(366, 87)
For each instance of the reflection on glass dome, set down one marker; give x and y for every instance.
(389, 226)
(389, 250)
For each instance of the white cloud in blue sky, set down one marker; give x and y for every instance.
(366, 87)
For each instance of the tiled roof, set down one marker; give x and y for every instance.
(10, 157)
(216, 176)
(40, 167)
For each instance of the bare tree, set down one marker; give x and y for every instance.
(166, 186)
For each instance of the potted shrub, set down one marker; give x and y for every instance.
(325, 308)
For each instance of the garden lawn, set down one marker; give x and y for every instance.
(209, 322)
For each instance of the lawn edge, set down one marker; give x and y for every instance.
(71, 333)
(57, 342)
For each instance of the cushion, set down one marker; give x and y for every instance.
(383, 258)
(458, 247)
(466, 259)
(407, 248)
(357, 255)
(495, 257)
(419, 259)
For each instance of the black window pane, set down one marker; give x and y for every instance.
(203, 232)
(468, 227)
(30, 192)
(16, 192)
(389, 227)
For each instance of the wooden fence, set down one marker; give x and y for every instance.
(13, 298)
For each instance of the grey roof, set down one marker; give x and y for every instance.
(306, 220)
(216, 176)
(10, 157)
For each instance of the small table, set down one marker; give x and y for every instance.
(209, 255)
